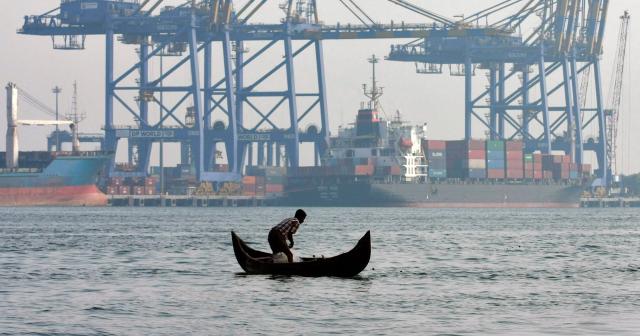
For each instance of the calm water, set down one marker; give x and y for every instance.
(449, 272)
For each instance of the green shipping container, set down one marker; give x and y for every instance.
(275, 179)
(495, 145)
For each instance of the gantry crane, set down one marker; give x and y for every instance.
(520, 99)
(238, 110)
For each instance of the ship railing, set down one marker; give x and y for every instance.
(81, 154)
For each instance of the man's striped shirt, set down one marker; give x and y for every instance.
(289, 225)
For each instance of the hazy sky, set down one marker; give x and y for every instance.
(438, 100)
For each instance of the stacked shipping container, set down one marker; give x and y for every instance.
(528, 166)
(514, 154)
(435, 152)
(253, 186)
(495, 159)
(132, 186)
(538, 172)
(466, 159)
(261, 181)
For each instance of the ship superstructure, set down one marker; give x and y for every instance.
(376, 146)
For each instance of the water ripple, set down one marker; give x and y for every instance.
(433, 272)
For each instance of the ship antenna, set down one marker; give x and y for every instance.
(375, 92)
(76, 117)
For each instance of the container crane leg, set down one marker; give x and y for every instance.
(468, 76)
(568, 97)
(242, 146)
(293, 149)
(493, 97)
(502, 89)
(197, 141)
(144, 146)
(231, 139)
(577, 113)
(544, 105)
(601, 152)
(526, 112)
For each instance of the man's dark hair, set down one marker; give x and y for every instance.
(300, 214)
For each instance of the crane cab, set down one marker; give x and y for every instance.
(92, 12)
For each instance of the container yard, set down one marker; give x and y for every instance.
(530, 157)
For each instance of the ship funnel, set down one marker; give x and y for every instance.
(12, 127)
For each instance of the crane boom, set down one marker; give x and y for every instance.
(615, 91)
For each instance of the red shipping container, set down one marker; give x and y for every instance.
(249, 180)
(566, 159)
(515, 156)
(150, 190)
(476, 155)
(274, 188)
(150, 181)
(495, 173)
(538, 175)
(514, 145)
(515, 174)
(117, 181)
(364, 170)
(430, 145)
(515, 164)
(112, 190)
(477, 145)
(124, 190)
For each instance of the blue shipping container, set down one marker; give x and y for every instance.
(478, 173)
(495, 164)
(494, 155)
(437, 173)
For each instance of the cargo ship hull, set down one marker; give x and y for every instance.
(445, 195)
(61, 181)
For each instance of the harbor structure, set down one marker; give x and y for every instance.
(213, 115)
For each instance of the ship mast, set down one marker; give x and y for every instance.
(76, 118)
(375, 92)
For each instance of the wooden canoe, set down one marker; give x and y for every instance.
(344, 265)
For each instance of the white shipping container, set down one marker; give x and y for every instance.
(477, 164)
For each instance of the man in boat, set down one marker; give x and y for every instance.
(284, 231)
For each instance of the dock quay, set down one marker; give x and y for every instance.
(610, 202)
(189, 201)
